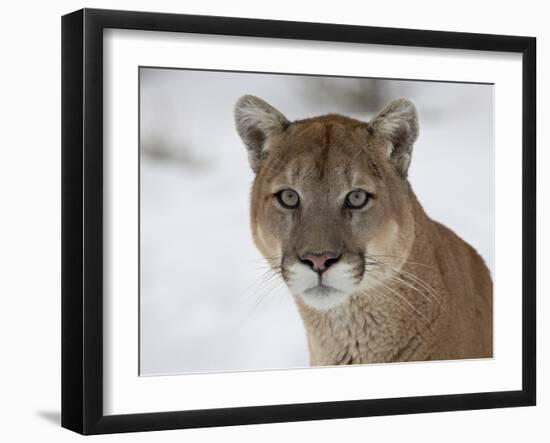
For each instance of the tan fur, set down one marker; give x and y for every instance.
(424, 295)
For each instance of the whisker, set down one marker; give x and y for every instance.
(422, 283)
(403, 260)
(272, 169)
(267, 261)
(390, 299)
(402, 297)
(416, 280)
(278, 160)
(361, 150)
(261, 298)
(405, 283)
(258, 284)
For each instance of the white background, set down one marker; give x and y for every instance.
(30, 234)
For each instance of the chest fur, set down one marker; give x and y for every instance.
(363, 332)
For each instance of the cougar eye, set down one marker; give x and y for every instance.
(357, 199)
(288, 198)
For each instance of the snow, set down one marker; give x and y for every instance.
(206, 303)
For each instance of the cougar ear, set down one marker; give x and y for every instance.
(256, 121)
(398, 123)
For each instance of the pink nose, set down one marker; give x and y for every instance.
(320, 262)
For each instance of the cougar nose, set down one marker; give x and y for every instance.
(319, 262)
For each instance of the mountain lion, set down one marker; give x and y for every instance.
(373, 277)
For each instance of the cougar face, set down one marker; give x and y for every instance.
(330, 195)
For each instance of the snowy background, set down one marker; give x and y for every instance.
(205, 304)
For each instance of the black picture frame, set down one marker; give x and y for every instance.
(82, 220)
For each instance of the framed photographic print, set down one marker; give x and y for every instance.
(270, 221)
